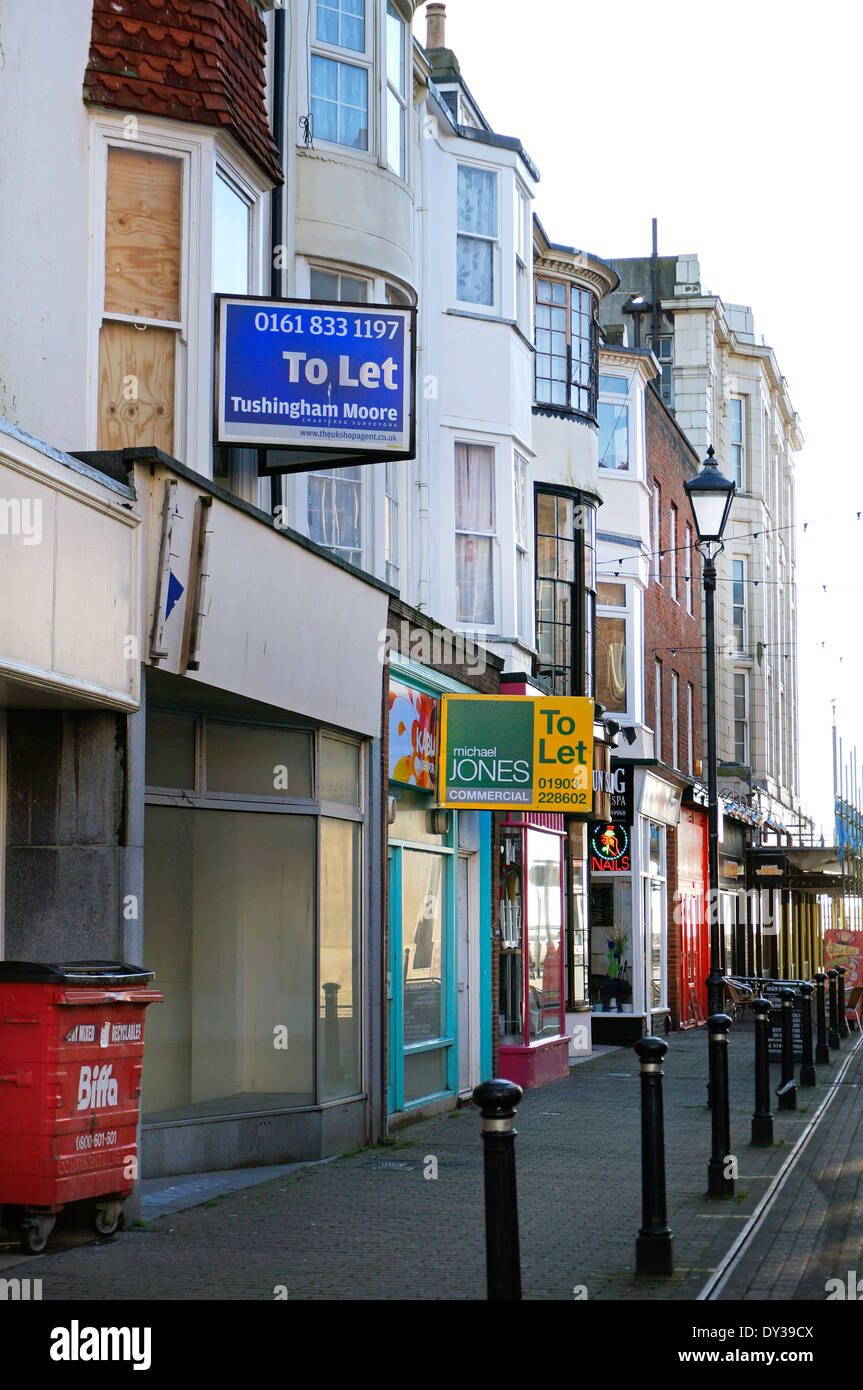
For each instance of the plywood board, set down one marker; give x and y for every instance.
(136, 387)
(143, 234)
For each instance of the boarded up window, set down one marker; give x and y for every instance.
(143, 234)
(136, 387)
(143, 246)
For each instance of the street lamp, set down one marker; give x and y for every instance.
(710, 495)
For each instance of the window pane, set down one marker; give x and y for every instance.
(474, 487)
(395, 50)
(613, 595)
(323, 285)
(340, 999)
(423, 876)
(475, 271)
(230, 240)
(395, 135)
(170, 752)
(614, 385)
(257, 761)
(544, 932)
(474, 579)
(353, 291)
(425, 1073)
(611, 662)
(477, 201)
(613, 423)
(231, 932)
(340, 771)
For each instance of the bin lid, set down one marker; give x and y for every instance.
(110, 973)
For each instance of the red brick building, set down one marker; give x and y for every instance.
(673, 697)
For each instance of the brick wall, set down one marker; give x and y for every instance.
(672, 635)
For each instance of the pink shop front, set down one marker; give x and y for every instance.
(534, 1047)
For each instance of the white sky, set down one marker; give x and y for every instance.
(738, 126)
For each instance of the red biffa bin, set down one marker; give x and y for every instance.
(71, 1058)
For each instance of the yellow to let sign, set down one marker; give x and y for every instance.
(514, 751)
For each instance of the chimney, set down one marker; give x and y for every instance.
(436, 26)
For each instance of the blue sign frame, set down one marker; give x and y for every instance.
(305, 381)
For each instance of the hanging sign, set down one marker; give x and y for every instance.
(513, 751)
(609, 848)
(319, 380)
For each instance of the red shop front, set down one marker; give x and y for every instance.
(690, 916)
(534, 1047)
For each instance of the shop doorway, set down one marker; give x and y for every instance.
(422, 1019)
(468, 974)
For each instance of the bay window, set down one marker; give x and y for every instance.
(565, 590)
(522, 564)
(474, 533)
(567, 345)
(335, 498)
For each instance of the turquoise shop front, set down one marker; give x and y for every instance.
(439, 1006)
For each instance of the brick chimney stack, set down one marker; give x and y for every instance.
(435, 26)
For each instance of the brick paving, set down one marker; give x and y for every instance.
(373, 1226)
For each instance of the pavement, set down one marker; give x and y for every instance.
(405, 1220)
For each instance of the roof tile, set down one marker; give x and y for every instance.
(195, 60)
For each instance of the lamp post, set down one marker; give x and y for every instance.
(710, 495)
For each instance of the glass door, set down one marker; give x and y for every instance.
(421, 1006)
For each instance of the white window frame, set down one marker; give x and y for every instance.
(470, 305)
(741, 646)
(524, 586)
(403, 99)
(737, 448)
(742, 676)
(392, 524)
(622, 403)
(523, 261)
(492, 446)
(675, 720)
(657, 521)
(672, 550)
(690, 743)
(687, 572)
(619, 610)
(350, 57)
(202, 153)
(657, 707)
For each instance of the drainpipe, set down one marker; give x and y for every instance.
(278, 195)
(423, 511)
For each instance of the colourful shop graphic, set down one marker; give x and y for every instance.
(609, 848)
(412, 737)
(843, 947)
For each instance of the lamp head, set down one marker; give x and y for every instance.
(710, 495)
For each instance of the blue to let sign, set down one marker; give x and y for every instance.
(302, 375)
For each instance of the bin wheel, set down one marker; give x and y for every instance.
(105, 1220)
(34, 1233)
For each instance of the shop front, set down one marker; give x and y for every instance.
(534, 1047)
(439, 892)
(690, 917)
(629, 915)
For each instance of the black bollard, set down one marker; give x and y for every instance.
(807, 1067)
(787, 1088)
(833, 1030)
(497, 1101)
(719, 1181)
(762, 1120)
(822, 1051)
(654, 1248)
(844, 1030)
